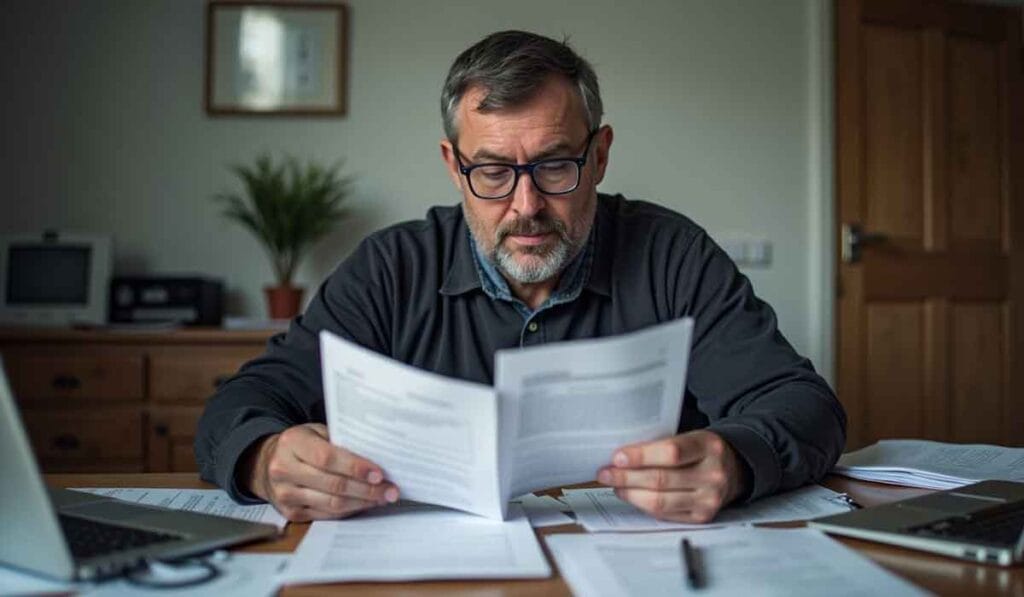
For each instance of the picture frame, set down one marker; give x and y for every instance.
(275, 58)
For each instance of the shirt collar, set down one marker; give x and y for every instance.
(591, 269)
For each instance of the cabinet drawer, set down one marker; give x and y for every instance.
(194, 375)
(171, 434)
(101, 377)
(86, 439)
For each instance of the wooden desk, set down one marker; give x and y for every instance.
(934, 573)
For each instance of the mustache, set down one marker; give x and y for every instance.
(532, 226)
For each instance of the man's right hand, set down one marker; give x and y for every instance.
(306, 477)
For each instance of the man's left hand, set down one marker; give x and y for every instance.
(684, 478)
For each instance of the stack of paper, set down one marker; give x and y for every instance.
(734, 561)
(932, 465)
(598, 509)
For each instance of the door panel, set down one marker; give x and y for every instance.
(892, 69)
(978, 381)
(895, 371)
(974, 145)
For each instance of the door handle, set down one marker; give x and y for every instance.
(854, 239)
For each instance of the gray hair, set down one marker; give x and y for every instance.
(511, 66)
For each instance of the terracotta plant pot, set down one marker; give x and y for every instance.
(283, 302)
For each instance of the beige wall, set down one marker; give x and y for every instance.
(720, 110)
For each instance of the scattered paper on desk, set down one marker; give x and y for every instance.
(544, 510)
(734, 561)
(932, 465)
(598, 509)
(204, 501)
(410, 541)
(241, 575)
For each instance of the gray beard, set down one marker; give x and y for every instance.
(552, 262)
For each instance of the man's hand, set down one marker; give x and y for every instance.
(307, 478)
(684, 478)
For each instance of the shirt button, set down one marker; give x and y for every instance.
(532, 326)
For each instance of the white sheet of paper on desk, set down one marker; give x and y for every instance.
(411, 541)
(241, 575)
(598, 509)
(932, 465)
(204, 501)
(735, 561)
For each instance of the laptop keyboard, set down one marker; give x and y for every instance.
(998, 526)
(88, 538)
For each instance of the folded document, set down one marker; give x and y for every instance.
(556, 414)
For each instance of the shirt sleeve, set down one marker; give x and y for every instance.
(762, 397)
(283, 388)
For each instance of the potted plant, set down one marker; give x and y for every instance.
(288, 206)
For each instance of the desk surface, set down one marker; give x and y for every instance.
(934, 573)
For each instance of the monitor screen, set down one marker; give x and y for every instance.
(43, 275)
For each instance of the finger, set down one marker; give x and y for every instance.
(303, 497)
(312, 448)
(696, 506)
(314, 514)
(662, 479)
(305, 475)
(678, 450)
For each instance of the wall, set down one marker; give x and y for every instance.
(719, 108)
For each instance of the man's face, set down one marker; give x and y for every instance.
(528, 235)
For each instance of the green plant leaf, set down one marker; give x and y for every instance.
(287, 206)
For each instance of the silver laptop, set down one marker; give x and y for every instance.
(983, 522)
(73, 535)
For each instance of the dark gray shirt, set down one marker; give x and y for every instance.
(417, 292)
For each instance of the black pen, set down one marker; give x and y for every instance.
(691, 565)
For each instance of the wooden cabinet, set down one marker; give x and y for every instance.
(98, 401)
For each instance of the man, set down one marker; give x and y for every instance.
(533, 255)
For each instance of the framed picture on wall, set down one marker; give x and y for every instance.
(275, 58)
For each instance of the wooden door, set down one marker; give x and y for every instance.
(929, 164)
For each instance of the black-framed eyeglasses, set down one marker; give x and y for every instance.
(551, 176)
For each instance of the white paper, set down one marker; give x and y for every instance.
(567, 407)
(241, 575)
(735, 561)
(205, 501)
(436, 438)
(544, 510)
(409, 541)
(599, 510)
(933, 465)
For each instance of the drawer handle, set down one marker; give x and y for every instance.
(66, 441)
(220, 380)
(160, 430)
(66, 382)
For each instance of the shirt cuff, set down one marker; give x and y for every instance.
(757, 454)
(232, 448)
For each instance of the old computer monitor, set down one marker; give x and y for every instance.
(54, 279)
